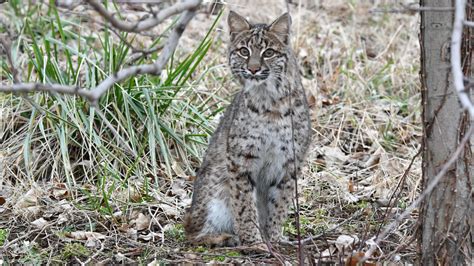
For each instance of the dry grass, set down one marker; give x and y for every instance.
(361, 73)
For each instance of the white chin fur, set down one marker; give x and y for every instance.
(250, 83)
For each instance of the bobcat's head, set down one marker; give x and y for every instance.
(258, 51)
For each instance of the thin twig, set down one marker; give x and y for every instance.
(6, 245)
(8, 51)
(296, 202)
(423, 195)
(145, 24)
(312, 238)
(95, 254)
(278, 256)
(295, 172)
(456, 66)
(136, 52)
(154, 68)
(6, 43)
(399, 188)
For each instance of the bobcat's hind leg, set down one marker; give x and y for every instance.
(215, 224)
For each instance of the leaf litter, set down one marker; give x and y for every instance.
(366, 121)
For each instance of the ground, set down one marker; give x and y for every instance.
(69, 192)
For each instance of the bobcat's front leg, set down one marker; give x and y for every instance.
(278, 205)
(244, 209)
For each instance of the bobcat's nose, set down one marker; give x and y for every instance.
(254, 69)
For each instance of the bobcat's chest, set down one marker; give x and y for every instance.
(261, 138)
(269, 125)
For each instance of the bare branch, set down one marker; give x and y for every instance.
(32, 87)
(456, 66)
(416, 7)
(147, 23)
(154, 68)
(94, 94)
(412, 8)
(469, 23)
(136, 52)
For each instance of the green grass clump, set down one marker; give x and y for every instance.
(3, 236)
(233, 254)
(289, 227)
(219, 258)
(71, 250)
(160, 121)
(200, 249)
(32, 254)
(176, 233)
(223, 257)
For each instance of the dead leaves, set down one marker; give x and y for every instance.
(40, 223)
(59, 191)
(84, 235)
(28, 205)
(333, 155)
(356, 260)
(2, 203)
(346, 242)
(92, 239)
(345, 246)
(35, 202)
(30, 199)
(139, 221)
(169, 210)
(362, 175)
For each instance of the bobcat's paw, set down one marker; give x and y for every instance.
(279, 239)
(231, 241)
(249, 239)
(221, 240)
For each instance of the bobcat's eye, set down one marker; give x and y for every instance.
(244, 51)
(268, 53)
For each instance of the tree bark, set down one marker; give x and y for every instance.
(446, 214)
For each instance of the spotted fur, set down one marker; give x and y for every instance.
(246, 182)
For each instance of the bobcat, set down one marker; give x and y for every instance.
(246, 181)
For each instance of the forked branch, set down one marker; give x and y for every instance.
(93, 95)
(146, 24)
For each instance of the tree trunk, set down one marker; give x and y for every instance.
(446, 214)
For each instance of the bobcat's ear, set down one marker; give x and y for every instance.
(237, 24)
(281, 27)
